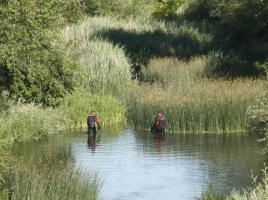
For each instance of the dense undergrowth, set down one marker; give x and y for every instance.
(45, 180)
(61, 59)
(191, 102)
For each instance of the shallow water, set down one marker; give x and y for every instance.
(149, 166)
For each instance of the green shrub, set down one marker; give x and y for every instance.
(166, 9)
(258, 191)
(33, 63)
(230, 65)
(22, 121)
(119, 8)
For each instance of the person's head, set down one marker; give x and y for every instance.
(137, 64)
(159, 113)
(92, 112)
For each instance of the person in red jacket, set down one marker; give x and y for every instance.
(161, 123)
(91, 120)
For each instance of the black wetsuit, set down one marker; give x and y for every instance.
(138, 71)
(161, 124)
(91, 123)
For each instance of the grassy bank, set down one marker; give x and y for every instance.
(194, 93)
(143, 39)
(47, 181)
(77, 107)
(20, 121)
(191, 102)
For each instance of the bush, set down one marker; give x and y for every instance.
(166, 9)
(33, 64)
(228, 65)
(22, 121)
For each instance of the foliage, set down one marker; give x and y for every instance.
(198, 10)
(189, 102)
(258, 191)
(33, 65)
(106, 69)
(166, 9)
(244, 19)
(212, 192)
(130, 9)
(78, 106)
(258, 113)
(47, 181)
(240, 19)
(22, 121)
(140, 40)
(229, 65)
(4, 159)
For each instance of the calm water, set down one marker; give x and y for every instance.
(147, 166)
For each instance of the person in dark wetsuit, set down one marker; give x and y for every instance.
(91, 120)
(161, 123)
(138, 71)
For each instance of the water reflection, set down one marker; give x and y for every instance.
(92, 142)
(155, 166)
(160, 141)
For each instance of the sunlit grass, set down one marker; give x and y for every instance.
(20, 121)
(189, 102)
(78, 106)
(48, 181)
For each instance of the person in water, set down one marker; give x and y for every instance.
(161, 123)
(138, 70)
(91, 120)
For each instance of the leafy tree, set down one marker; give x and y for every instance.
(166, 9)
(240, 19)
(32, 62)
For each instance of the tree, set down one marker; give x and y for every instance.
(32, 62)
(167, 9)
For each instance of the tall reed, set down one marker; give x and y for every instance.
(144, 39)
(106, 69)
(23, 121)
(78, 106)
(191, 103)
(47, 181)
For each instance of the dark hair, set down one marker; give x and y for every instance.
(92, 111)
(160, 113)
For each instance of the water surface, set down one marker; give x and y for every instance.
(147, 166)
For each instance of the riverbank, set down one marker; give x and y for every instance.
(202, 70)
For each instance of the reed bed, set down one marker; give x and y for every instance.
(143, 39)
(189, 102)
(78, 106)
(48, 181)
(106, 69)
(23, 121)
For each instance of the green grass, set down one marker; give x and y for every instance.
(189, 102)
(106, 69)
(78, 106)
(143, 39)
(47, 181)
(192, 93)
(20, 121)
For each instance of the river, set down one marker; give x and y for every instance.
(148, 166)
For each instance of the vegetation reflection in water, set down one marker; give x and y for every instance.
(149, 165)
